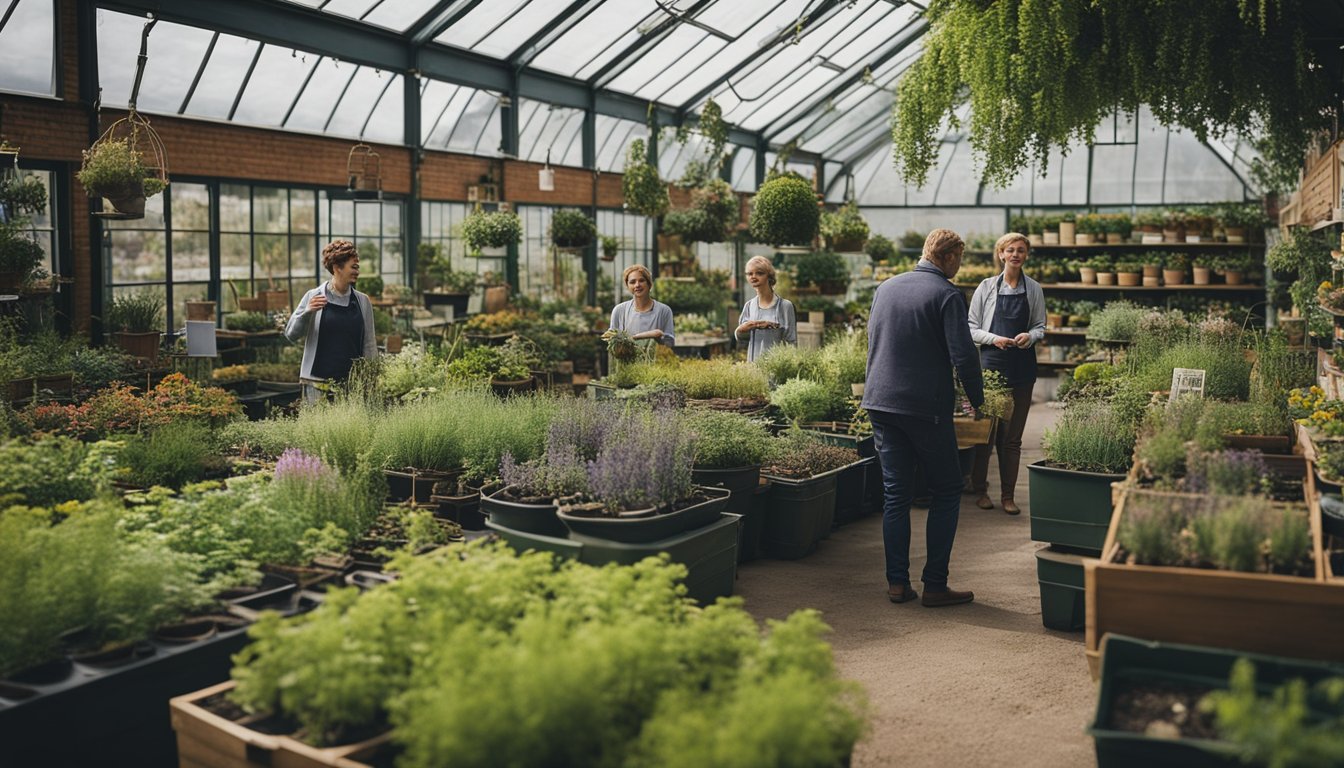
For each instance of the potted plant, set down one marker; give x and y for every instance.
(1151, 262)
(611, 246)
(20, 254)
(879, 249)
(1234, 267)
(1067, 229)
(784, 211)
(414, 443)
(113, 170)
(1118, 228)
(824, 269)
(136, 320)
(1198, 225)
(1242, 223)
(440, 283)
(1174, 267)
(1148, 225)
(729, 451)
(490, 233)
(845, 230)
(1050, 226)
(1173, 226)
(1070, 490)
(1201, 268)
(644, 192)
(1128, 273)
(1035, 230)
(1091, 228)
(802, 493)
(572, 229)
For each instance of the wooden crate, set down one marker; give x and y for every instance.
(206, 739)
(1320, 187)
(973, 432)
(1299, 617)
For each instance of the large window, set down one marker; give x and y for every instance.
(376, 229)
(28, 47)
(267, 240)
(43, 226)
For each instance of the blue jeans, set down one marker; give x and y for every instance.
(904, 442)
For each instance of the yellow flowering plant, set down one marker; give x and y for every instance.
(1312, 409)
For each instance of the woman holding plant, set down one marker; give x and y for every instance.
(334, 321)
(641, 316)
(1007, 318)
(767, 319)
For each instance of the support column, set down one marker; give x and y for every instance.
(412, 138)
(590, 263)
(508, 116)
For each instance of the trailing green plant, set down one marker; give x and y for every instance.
(572, 228)
(111, 168)
(820, 267)
(1091, 436)
(1208, 67)
(491, 229)
(1307, 256)
(728, 440)
(139, 312)
(644, 191)
(803, 400)
(1294, 725)
(784, 211)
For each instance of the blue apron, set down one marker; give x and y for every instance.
(1011, 317)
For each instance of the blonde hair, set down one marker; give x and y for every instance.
(640, 268)
(765, 265)
(1007, 240)
(336, 253)
(941, 244)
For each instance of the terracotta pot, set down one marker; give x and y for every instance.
(1051, 238)
(1105, 278)
(1173, 276)
(1152, 282)
(1236, 234)
(1173, 235)
(1128, 279)
(1067, 229)
(252, 304)
(1115, 238)
(394, 343)
(201, 310)
(141, 345)
(1083, 238)
(1088, 275)
(1152, 270)
(1234, 277)
(1054, 320)
(1201, 275)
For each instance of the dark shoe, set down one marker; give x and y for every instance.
(939, 598)
(983, 502)
(901, 593)
(1009, 507)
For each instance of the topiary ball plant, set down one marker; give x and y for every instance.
(571, 228)
(784, 211)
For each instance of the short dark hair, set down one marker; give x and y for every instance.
(337, 253)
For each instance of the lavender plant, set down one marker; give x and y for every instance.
(646, 463)
(562, 472)
(1230, 473)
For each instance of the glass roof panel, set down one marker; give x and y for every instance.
(744, 169)
(730, 18)
(478, 129)
(175, 54)
(613, 138)
(877, 26)
(784, 98)
(692, 61)
(676, 47)
(1196, 174)
(1113, 174)
(398, 15)
(521, 27)
(223, 76)
(366, 88)
(351, 9)
(28, 50)
(440, 105)
(307, 3)
(274, 83)
(386, 122)
(469, 30)
(543, 127)
(597, 39)
(315, 103)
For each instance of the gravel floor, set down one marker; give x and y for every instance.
(974, 685)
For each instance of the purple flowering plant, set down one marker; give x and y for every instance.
(302, 469)
(1228, 473)
(646, 462)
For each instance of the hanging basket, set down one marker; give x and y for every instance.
(364, 170)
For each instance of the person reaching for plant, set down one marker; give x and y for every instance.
(333, 321)
(641, 316)
(1007, 318)
(767, 319)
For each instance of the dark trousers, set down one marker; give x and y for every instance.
(1009, 442)
(904, 442)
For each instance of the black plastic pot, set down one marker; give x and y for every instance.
(800, 512)
(463, 510)
(402, 485)
(741, 482)
(1126, 658)
(524, 518)
(641, 530)
(1063, 597)
(850, 491)
(753, 523)
(458, 301)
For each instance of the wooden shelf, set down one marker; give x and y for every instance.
(1245, 288)
(1143, 245)
(1064, 332)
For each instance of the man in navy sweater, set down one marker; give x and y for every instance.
(917, 334)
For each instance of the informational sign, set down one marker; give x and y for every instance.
(201, 338)
(1186, 381)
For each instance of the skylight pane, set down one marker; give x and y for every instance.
(316, 101)
(223, 76)
(364, 91)
(469, 30)
(597, 39)
(521, 27)
(350, 8)
(399, 15)
(478, 130)
(279, 74)
(387, 121)
(28, 50)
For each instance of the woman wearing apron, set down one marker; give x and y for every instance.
(1007, 318)
(333, 321)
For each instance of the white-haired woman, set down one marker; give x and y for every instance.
(641, 316)
(767, 319)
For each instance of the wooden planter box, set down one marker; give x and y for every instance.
(973, 432)
(1293, 616)
(207, 739)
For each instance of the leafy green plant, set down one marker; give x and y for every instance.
(880, 248)
(820, 268)
(1227, 373)
(572, 228)
(1295, 724)
(140, 312)
(784, 211)
(783, 362)
(491, 229)
(799, 454)
(1117, 321)
(48, 471)
(728, 440)
(706, 295)
(249, 322)
(803, 400)
(371, 285)
(645, 193)
(113, 169)
(1090, 436)
(19, 252)
(844, 225)
(171, 456)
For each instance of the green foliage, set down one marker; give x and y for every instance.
(1091, 436)
(23, 195)
(784, 211)
(139, 312)
(171, 456)
(880, 248)
(483, 364)
(572, 228)
(728, 440)
(250, 322)
(19, 252)
(1117, 321)
(589, 658)
(803, 400)
(800, 454)
(820, 267)
(371, 285)
(111, 167)
(1290, 541)
(48, 471)
(844, 360)
(1162, 454)
(706, 379)
(1307, 254)
(706, 295)
(846, 223)
(1150, 535)
(783, 362)
(1235, 533)
(1292, 726)
(1226, 372)
(491, 229)
(1209, 67)
(420, 435)
(645, 193)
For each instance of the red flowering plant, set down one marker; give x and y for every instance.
(120, 409)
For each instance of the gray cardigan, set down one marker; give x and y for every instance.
(303, 326)
(761, 339)
(981, 313)
(917, 334)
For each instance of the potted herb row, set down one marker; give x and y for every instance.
(802, 494)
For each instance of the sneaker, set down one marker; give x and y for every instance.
(901, 593)
(937, 598)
